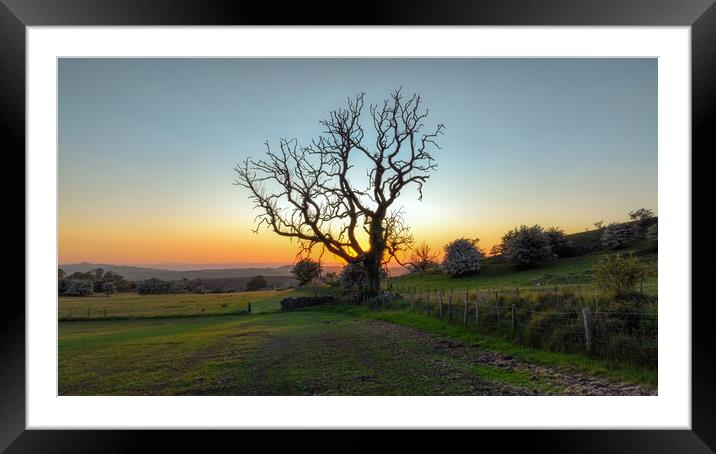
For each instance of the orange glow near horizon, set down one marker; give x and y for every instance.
(227, 242)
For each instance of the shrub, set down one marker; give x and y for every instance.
(153, 286)
(179, 286)
(642, 217)
(652, 234)
(496, 251)
(99, 277)
(558, 243)
(78, 287)
(330, 278)
(462, 257)
(630, 302)
(384, 299)
(108, 288)
(61, 286)
(125, 286)
(618, 236)
(256, 283)
(306, 270)
(619, 274)
(526, 246)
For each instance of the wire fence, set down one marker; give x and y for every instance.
(569, 319)
(119, 311)
(565, 320)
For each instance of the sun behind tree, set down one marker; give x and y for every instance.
(311, 192)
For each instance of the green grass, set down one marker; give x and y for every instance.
(497, 274)
(519, 378)
(133, 305)
(296, 353)
(166, 344)
(578, 362)
(322, 350)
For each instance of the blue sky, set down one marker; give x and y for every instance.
(147, 147)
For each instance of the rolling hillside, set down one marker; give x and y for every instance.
(137, 273)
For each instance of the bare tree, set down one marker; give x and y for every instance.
(423, 259)
(311, 193)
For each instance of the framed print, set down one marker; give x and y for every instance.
(445, 217)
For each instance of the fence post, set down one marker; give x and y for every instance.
(105, 313)
(464, 317)
(514, 318)
(477, 313)
(497, 310)
(249, 307)
(440, 303)
(587, 328)
(450, 307)
(88, 313)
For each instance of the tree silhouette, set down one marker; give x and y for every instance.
(312, 193)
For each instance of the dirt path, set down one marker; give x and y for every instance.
(370, 357)
(297, 353)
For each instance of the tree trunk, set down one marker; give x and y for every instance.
(373, 260)
(372, 269)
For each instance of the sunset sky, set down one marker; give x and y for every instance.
(147, 148)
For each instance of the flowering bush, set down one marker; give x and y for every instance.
(462, 257)
(617, 236)
(558, 243)
(78, 287)
(526, 246)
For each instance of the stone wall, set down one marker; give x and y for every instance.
(288, 304)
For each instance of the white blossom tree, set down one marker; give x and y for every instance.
(526, 246)
(619, 235)
(462, 256)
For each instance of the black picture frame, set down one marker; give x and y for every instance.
(700, 15)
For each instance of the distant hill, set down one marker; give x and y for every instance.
(590, 240)
(138, 273)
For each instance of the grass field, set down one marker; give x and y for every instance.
(566, 272)
(303, 352)
(207, 344)
(133, 305)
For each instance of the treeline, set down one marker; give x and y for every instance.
(93, 281)
(155, 286)
(99, 281)
(159, 286)
(531, 246)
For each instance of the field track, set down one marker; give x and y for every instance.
(297, 353)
